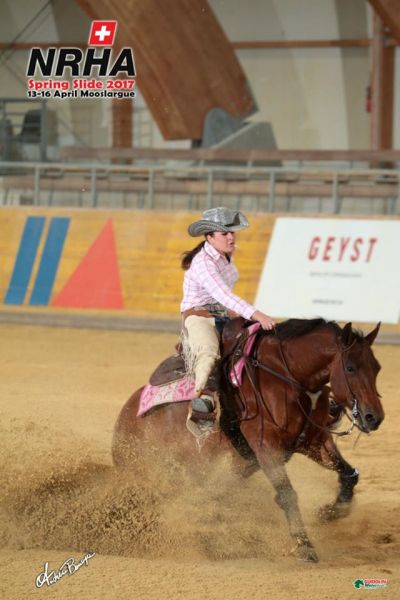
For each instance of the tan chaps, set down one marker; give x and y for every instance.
(204, 348)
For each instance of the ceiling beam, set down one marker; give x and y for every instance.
(122, 123)
(382, 88)
(255, 45)
(239, 45)
(389, 12)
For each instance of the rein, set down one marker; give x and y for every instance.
(256, 363)
(236, 354)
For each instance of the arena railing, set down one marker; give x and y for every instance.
(371, 158)
(186, 186)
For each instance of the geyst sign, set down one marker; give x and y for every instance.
(341, 248)
(342, 269)
(76, 73)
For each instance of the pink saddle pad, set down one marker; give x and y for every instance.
(182, 390)
(175, 391)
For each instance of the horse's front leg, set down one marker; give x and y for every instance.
(286, 498)
(325, 452)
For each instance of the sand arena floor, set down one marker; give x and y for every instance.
(156, 533)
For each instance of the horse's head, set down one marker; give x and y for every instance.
(353, 377)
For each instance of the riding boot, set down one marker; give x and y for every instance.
(205, 402)
(202, 415)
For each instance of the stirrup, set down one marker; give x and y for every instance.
(203, 406)
(202, 416)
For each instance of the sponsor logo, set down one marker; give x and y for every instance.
(370, 583)
(89, 282)
(75, 73)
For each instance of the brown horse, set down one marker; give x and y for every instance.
(283, 406)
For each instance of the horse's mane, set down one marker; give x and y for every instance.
(298, 327)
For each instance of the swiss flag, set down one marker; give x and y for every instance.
(102, 33)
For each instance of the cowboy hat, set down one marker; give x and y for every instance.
(218, 219)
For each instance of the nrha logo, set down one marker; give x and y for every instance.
(61, 62)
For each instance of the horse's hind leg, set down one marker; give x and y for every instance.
(286, 498)
(325, 453)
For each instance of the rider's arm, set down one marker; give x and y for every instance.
(206, 272)
(214, 284)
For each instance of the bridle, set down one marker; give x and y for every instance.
(355, 413)
(289, 379)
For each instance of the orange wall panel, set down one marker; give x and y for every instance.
(108, 261)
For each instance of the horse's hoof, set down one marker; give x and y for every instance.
(331, 512)
(307, 555)
(304, 551)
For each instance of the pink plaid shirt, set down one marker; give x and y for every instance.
(210, 279)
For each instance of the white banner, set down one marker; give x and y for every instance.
(346, 270)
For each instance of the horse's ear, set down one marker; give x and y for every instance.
(347, 334)
(372, 334)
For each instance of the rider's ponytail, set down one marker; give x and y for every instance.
(189, 255)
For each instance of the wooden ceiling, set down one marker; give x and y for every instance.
(185, 64)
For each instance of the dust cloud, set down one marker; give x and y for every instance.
(159, 530)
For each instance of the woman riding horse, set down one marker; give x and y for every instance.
(282, 404)
(208, 299)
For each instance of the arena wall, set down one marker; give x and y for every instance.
(107, 261)
(110, 263)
